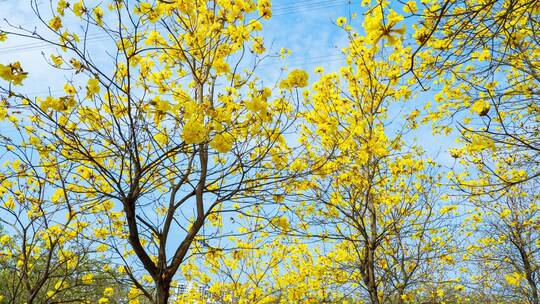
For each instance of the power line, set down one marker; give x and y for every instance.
(99, 37)
(299, 4)
(274, 7)
(42, 45)
(315, 8)
(308, 61)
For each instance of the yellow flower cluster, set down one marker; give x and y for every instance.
(57, 104)
(265, 8)
(341, 21)
(481, 107)
(514, 279)
(194, 131)
(92, 87)
(55, 23)
(296, 79)
(378, 26)
(222, 142)
(13, 73)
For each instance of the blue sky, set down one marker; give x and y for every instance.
(306, 27)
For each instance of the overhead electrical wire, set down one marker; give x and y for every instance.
(278, 10)
(275, 8)
(294, 63)
(314, 6)
(287, 10)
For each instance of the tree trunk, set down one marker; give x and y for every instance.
(372, 284)
(530, 280)
(528, 270)
(162, 292)
(372, 247)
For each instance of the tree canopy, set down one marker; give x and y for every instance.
(169, 166)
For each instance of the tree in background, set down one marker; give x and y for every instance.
(377, 200)
(45, 255)
(487, 77)
(483, 56)
(504, 250)
(264, 267)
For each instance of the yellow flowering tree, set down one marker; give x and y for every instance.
(45, 256)
(503, 251)
(161, 132)
(483, 57)
(376, 198)
(163, 156)
(485, 76)
(263, 267)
